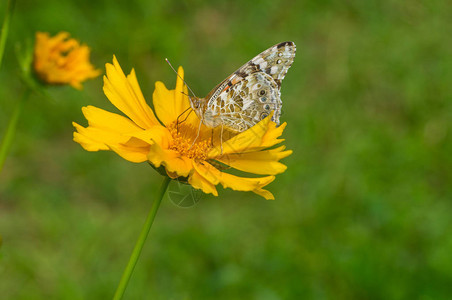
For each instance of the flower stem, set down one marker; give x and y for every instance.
(5, 28)
(140, 242)
(11, 129)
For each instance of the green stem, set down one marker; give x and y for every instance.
(11, 129)
(5, 28)
(140, 242)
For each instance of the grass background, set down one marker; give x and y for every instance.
(363, 211)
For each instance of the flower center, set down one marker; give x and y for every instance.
(183, 137)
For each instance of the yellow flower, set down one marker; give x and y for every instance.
(171, 143)
(62, 60)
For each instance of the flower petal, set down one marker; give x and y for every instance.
(262, 162)
(95, 139)
(105, 129)
(199, 182)
(271, 136)
(161, 99)
(214, 176)
(89, 140)
(103, 119)
(243, 142)
(172, 160)
(126, 95)
(170, 104)
(264, 193)
(62, 60)
(158, 134)
(109, 131)
(131, 152)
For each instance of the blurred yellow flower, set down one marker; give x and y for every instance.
(62, 60)
(174, 145)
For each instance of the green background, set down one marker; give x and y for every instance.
(362, 212)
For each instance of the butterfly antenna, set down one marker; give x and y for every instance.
(202, 117)
(166, 59)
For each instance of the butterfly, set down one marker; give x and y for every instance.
(249, 94)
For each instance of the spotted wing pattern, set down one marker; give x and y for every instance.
(252, 92)
(274, 61)
(245, 103)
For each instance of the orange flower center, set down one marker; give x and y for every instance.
(183, 138)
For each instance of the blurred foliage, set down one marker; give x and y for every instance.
(363, 211)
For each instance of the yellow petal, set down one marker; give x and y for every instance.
(158, 134)
(170, 105)
(214, 176)
(109, 131)
(264, 193)
(62, 60)
(261, 162)
(95, 139)
(161, 97)
(245, 141)
(126, 95)
(209, 172)
(58, 39)
(171, 174)
(199, 182)
(76, 85)
(180, 101)
(131, 152)
(172, 160)
(271, 136)
(103, 119)
(88, 141)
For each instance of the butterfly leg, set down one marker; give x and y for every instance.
(211, 139)
(177, 120)
(197, 135)
(221, 139)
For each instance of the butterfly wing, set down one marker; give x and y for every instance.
(249, 94)
(247, 102)
(275, 61)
